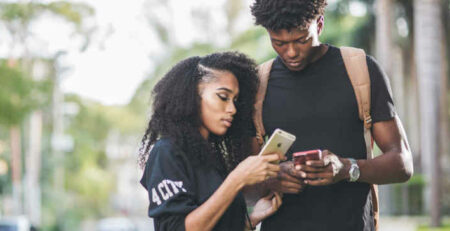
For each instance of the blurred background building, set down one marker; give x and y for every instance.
(75, 82)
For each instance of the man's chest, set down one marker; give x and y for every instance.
(311, 98)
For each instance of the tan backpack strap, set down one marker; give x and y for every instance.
(357, 70)
(356, 66)
(263, 75)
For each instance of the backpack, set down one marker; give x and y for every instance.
(357, 70)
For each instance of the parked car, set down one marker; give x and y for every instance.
(115, 224)
(14, 224)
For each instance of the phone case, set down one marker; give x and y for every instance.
(301, 157)
(279, 142)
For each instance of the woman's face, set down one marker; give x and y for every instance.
(218, 96)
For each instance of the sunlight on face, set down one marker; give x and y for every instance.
(218, 97)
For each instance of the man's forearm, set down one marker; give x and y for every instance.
(395, 165)
(391, 167)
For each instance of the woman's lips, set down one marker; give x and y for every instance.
(227, 122)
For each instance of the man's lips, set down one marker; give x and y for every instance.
(294, 64)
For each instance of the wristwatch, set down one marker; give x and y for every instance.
(354, 170)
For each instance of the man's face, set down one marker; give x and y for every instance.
(295, 47)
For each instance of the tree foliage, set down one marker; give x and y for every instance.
(23, 13)
(19, 95)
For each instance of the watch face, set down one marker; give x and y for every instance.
(354, 173)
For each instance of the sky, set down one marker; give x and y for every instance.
(118, 60)
(120, 57)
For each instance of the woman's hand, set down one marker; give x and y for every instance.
(265, 207)
(256, 169)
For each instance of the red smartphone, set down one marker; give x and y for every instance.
(301, 157)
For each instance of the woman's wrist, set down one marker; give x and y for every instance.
(235, 180)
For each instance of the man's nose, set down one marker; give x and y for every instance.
(291, 51)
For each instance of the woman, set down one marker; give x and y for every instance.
(202, 119)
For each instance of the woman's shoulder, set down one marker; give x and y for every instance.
(165, 160)
(164, 143)
(166, 149)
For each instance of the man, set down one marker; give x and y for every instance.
(309, 94)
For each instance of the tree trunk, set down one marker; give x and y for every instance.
(384, 53)
(384, 35)
(444, 117)
(16, 169)
(428, 35)
(33, 166)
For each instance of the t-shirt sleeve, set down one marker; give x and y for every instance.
(382, 106)
(168, 180)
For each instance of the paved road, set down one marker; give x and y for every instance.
(398, 224)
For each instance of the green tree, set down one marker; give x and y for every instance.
(87, 181)
(19, 95)
(17, 18)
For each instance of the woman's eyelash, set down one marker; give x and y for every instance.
(224, 98)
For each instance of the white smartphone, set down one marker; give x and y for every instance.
(279, 142)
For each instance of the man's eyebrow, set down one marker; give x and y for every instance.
(276, 40)
(281, 41)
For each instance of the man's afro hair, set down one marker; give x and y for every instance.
(286, 14)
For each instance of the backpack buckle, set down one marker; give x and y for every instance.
(368, 121)
(259, 138)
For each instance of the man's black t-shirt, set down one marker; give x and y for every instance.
(175, 188)
(318, 105)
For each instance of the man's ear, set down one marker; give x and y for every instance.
(320, 23)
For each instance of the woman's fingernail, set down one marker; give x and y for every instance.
(298, 167)
(303, 174)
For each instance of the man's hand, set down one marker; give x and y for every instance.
(287, 181)
(329, 170)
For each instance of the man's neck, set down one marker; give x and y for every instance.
(319, 52)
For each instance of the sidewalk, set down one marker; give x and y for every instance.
(398, 224)
(394, 224)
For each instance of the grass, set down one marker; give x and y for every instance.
(445, 227)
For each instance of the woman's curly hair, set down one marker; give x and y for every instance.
(176, 111)
(286, 14)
